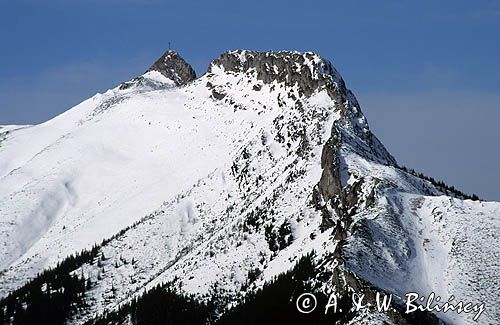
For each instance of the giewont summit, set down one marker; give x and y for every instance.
(308, 70)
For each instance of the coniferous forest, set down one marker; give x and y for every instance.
(52, 296)
(272, 304)
(57, 294)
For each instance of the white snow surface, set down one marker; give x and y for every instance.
(184, 171)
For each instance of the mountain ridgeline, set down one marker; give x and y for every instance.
(221, 199)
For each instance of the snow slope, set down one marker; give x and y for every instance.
(264, 158)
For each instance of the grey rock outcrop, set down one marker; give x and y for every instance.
(173, 66)
(287, 67)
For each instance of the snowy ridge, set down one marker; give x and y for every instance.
(261, 160)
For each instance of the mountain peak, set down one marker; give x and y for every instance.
(174, 67)
(300, 75)
(216, 188)
(308, 70)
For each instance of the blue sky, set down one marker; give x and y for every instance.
(427, 73)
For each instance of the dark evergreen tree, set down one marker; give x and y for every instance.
(52, 296)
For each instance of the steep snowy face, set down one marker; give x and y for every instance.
(380, 234)
(305, 74)
(264, 158)
(117, 157)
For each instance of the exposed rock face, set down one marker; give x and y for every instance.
(306, 70)
(173, 66)
(309, 73)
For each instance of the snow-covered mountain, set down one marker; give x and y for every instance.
(209, 182)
